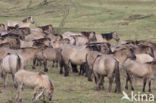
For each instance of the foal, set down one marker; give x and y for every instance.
(38, 81)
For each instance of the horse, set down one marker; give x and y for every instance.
(146, 71)
(24, 44)
(60, 43)
(2, 28)
(25, 23)
(106, 66)
(41, 83)
(11, 63)
(13, 41)
(24, 31)
(49, 54)
(96, 49)
(106, 37)
(73, 54)
(47, 29)
(80, 38)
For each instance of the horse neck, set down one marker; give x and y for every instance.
(27, 24)
(30, 53)
(121, 58)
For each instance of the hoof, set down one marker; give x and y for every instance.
(45, 70)
(33, 67)
(61, 72)
(66, 75)
(89, 79)
(126, 87)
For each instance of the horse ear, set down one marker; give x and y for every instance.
(132, 50)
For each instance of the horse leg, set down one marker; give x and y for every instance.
(61, 67)
(127, 79)
(149, 84)
(66, 68)
(37, 96)
(35, 93)
(98, 81)
(13, 78)
(89, 74)
(84, 69)
(81, 69)
(45, 66)
(130, 80)
(110, 84)
(144, 84)
(53, 64)
(102, 81)
(56, 63)
(19, 90)
(5, 79)
(34, 63)
(74, 68)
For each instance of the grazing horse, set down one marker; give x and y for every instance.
(11, 63)
(25, 23)
(41, 83)
(146, 71)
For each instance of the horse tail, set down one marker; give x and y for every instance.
(117, 77)
(18, 62)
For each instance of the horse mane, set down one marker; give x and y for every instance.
(45, 27)
(25, 20)
(87, 34)
(42, 39)
(119, 50)
(10, 35)
(107, 36)
(152, 62)
(4, 45)
(143, 46)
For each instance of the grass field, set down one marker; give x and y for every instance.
(132, 19)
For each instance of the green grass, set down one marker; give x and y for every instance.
(72, 89)
(84, 15)
(88, 15)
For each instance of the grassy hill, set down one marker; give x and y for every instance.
(133, 19)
